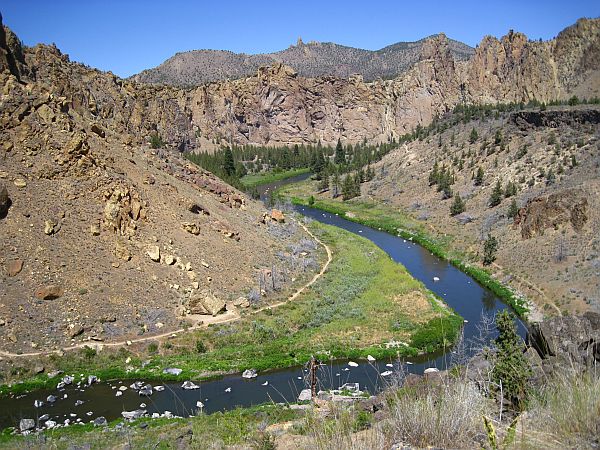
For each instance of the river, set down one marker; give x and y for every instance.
(82, 403)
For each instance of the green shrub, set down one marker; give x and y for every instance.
(200, 347)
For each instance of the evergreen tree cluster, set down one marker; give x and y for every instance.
(443, 177)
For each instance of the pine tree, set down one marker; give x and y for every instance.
(473, 136)
(340, 156)
(458, 206)
(478, 180)
(510, 189)
(511, 370)
(348, 187)
(336, 184)
(324, 184)
(490, 247)
(496, 196)
(434, 174)
(513, 209)
(228, 163)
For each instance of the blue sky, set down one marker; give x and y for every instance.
(129, 36)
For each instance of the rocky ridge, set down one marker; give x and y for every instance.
(312, 59)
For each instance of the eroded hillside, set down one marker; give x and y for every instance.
(102, 237)
(546, 162)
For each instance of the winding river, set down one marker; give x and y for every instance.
(78, 403)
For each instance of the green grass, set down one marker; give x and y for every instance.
(253, 180)
(396, 222)
(241, 426)
(350, 312)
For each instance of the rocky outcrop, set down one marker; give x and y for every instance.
(567, 342)
(206, 303)
(5, 201)
(555, 118)
(277, 106)
(551, 211)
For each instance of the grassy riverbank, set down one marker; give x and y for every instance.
(363, 301)
(254, 180)
(393, 221)
(241, 426)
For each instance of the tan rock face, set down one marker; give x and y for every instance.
(276, 106)
(540, 213)
(206, 303)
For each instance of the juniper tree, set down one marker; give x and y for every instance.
(473, 136)
(511, 369)
(513, 209)
(490, 247)
(478, 180)
(496, 196)
(458, 205)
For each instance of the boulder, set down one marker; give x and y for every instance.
(305, 395)
(100, 421)
(572, 341)
(189, 385)
(5, 201)
(122, 250)
(26, 424)
(241, 302)
(249, 373)
(154, 253)
(49, 227)
(20, 182)
(277, 216)
(205, 302)
(14, 267)
(132, 415)
(95, 128)
(191, 227)
(49, 292)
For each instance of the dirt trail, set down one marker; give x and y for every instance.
(229, 316)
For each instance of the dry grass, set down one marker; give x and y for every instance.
(447, 415)
(565, 415)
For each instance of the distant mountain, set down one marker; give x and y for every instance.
(313, 59)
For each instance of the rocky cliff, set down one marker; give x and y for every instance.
(277, 106)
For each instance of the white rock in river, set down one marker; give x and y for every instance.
(436, 279)
(352, 364)
(389, 365)
(50, 424)
(199, 404)
(431, 370)
(189, 385)
(386, 373)
(370, 358)
(228, 389)
(249, 373)
(26, 424)
(266, 383)
(305, 395)
(118, 393)
(159, 388)
(131, 415)
(38, 403)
